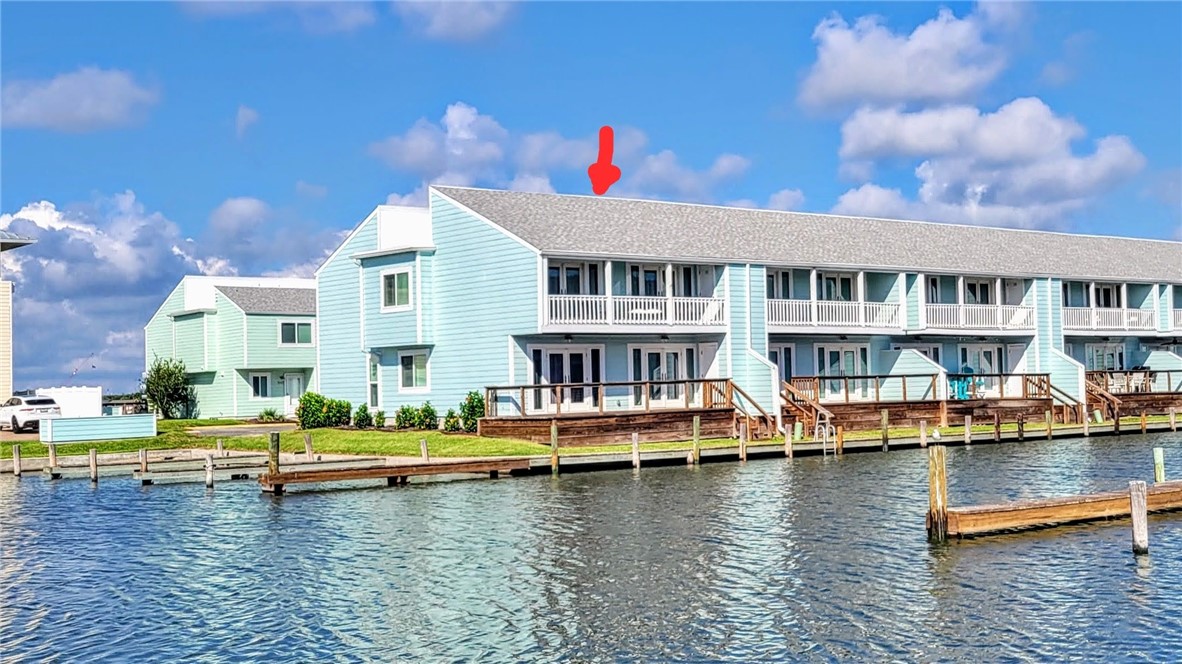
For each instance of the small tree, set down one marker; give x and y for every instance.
(166, 388)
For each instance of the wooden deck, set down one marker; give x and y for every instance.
(867, 415)
(576, 430)
(984, 519)
(274, 483)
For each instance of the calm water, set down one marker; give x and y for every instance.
(813, 560)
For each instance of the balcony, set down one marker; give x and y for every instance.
(635, 311)
(1100, 318)
(827, 313)
(1178, 319)
(980, 316)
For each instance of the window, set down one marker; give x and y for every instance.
(396, 290)
(836, 287)
(1108, 296)
(412, 370)
(572, 279)
(978, 292)
(260, 386)
(646, 280)
(779, 284)
(1104, 357)
(373, 382)
(933, 290)
(297, 334)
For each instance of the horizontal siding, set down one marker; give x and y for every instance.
(342, 362)
(190, 341)
(113, 427)
(396, 328)
(158, 331)
(263, 349)
(249, 406)
(230, 325)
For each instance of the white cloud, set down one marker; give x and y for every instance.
(1013, 167)
(465, 145)
(538, 184)
(1064, 70)
(454, 20)
(100, 268)
(85, 100)
(244, 119)
(317, 17)
(309, 190)
(784, 199)
(944, 59)
(663, 175)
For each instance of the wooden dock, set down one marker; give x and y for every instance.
(195, 471)
(394, 475)
(1045, 512)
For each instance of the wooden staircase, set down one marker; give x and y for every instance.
(1066, 408)
(807, 410)
(1099, 398)
(760, 424)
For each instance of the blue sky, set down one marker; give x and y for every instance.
(149, 140)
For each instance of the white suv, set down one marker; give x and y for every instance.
(18, 413)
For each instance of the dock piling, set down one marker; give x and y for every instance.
(52, 454)
(93, 466)
(1086, 426)
(697, 452)
(636, 450)
(997, 427)
(1138, 510)
(1021, 427)
(426, 456)
(1050, 417)
(839, 444)
(16, 460)
(308, 445)
(923, 433)
(968, 430)
(209, 471)
(1144, 422)
(742, 441)
(1173, 419)
(143, 460)
(273, 454)
(1159, 465)
(937, 519)
(553, 448)
(886, 436)
(798, 430)
(221, 448)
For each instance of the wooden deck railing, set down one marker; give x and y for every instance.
(646, 396)
(881, 387)
(1137, 381)
(999, 386)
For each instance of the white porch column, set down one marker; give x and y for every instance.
(1092, 303)
(861, 298)
(960, 298)
(921, 283)
(544, 291)
(607, 285)
(813, 296)
(1124, 304)
(669, 292)
(998, 294)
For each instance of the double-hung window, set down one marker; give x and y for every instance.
(373, 382)
(295, 333)
(412, 371)
(260, 386)
(397, 294)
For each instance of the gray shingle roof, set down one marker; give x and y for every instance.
(593, 225)
(10, 240)
(292, 301)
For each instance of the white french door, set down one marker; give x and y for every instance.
(837, 287)
(565, 365)
(784, 356)
(1104, 357)
(573, 278)
(293, 389)
(837, 361)
(665, 362)
(982, 359)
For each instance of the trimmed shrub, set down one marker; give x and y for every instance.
(339, 413)
(379, 418)
(406, 417)
(451, 421)
(312, 413)
(427, 417)
(270, 415)
(471, 410)
(362, 419)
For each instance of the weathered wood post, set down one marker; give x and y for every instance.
(1116, 421)
(308, 445)
(1087, 426)
(221, 448)
(1159, 465)
(636, 450)
(937, 519)
(798, 430)
(273, 454)
(52, 454)
(997, 427)
(423, 454)
(554, 448)
(1138, 510)
(944, 413)
(886, 436)
(1173, 419)
(16, 460)
(1021, 427)
(839, 446)
(968, 430)
(93, 466)
(923, 433)
(1144, 422)
(742, 441)
(209, 471)
(143, 460)
(697, 452)
(1050, 424)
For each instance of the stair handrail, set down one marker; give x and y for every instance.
(797, 395)
(768, 419)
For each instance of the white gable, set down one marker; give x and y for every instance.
(199, 291)
(402, 227)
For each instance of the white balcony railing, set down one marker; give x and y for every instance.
(636, 310)
(1099, 318)
(832, 313)
(1178, 319)
(980, 316)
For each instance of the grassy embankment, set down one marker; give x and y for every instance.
(175, 434)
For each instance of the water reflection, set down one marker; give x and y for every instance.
(817, 559)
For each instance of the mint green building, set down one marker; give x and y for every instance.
(248, 343)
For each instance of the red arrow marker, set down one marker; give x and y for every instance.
(603, 172)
